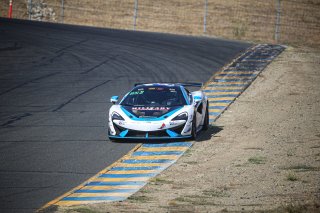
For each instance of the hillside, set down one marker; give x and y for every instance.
(254, 20)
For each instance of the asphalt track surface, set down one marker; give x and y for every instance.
(55, 86)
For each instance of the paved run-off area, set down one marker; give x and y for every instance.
(262, 154)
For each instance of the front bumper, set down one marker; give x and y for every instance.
(150, 138)
(169, 133)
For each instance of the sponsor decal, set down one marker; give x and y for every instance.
(156, 88)
(162, 126)
(150, 108)
(172, 123)
(137, 92)
(121, 123)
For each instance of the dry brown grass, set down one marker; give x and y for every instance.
(252, 20)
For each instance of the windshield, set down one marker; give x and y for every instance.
(154, 96)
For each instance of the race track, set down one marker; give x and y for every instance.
(55, 86)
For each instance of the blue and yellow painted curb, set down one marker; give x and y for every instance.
(133, 171)
(126, 176)
(224, 87)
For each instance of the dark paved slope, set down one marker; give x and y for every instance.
(55, 83)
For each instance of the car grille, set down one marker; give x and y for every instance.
(178, 129)
(160, 133)
(118, 128)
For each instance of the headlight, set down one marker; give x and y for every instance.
(182, 116)
(116, 116)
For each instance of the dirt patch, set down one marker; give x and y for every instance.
(263, 153)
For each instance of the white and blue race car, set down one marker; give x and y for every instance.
(159, 111)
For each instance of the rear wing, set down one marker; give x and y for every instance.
(186, 84)
(193, 84)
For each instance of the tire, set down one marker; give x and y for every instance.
(194, 127)
(206, 119)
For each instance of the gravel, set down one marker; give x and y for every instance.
(262, 154)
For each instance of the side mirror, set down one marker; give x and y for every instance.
(197, 99)
(114, 99)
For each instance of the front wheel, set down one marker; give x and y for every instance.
(194, 128)
(206, 119)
